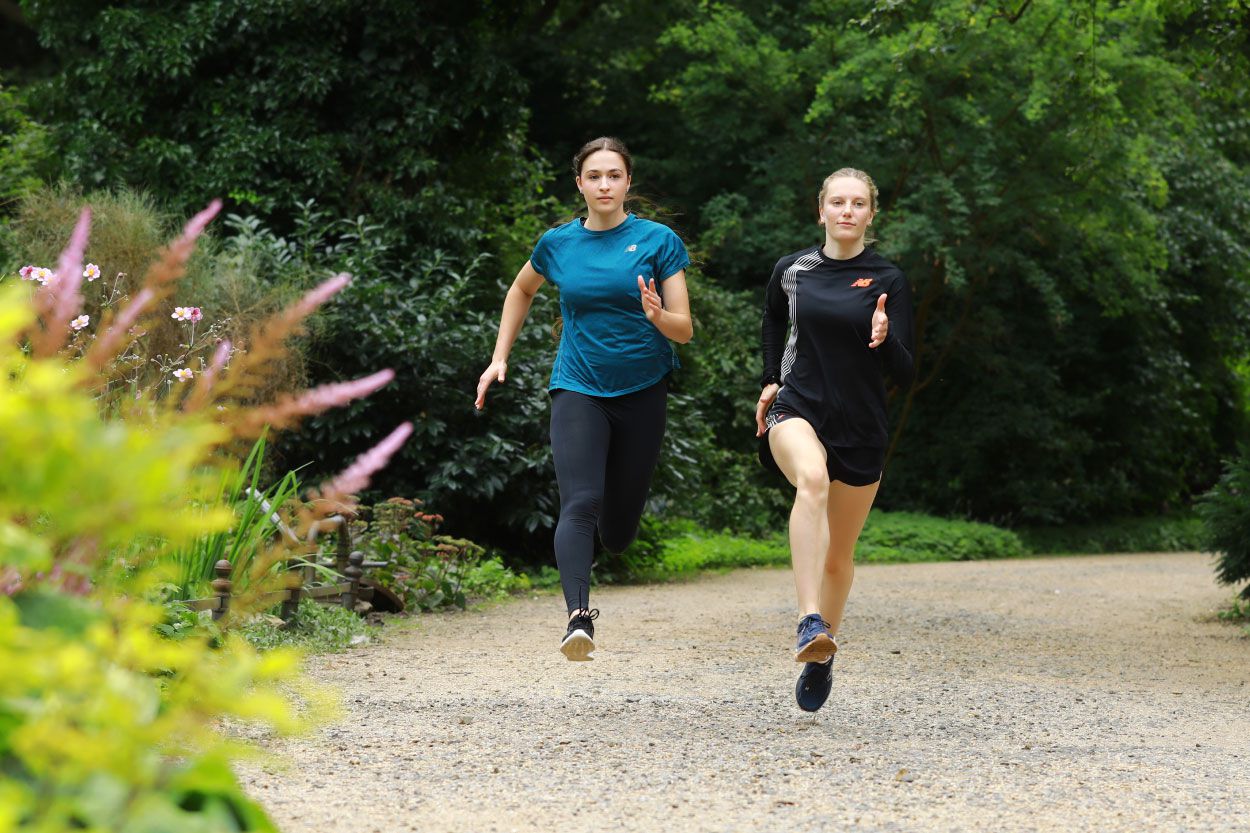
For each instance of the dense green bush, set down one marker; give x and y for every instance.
(408, 112)
(1225, 512)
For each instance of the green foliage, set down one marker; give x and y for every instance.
(315, 627)
(1151, 534)
(1066, 186)
(1065, 218)
(403, 111)
(490, 579)
(1225, 513)
(254, 528)
(104, 724)
(906, 537)
(234, 284)
(670, 550)
(1237, 612)
(426, 570)
(24, 155)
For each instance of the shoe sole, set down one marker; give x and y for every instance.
(807, 707)
(578, 646)
(818, 650)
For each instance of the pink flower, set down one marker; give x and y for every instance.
(196, 315)
(43, 274)
(80, 322)
(182, 313)
(356, 476)
(184, 374)
(91, 272)
(28, 272)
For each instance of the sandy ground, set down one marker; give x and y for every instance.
(1052, 694)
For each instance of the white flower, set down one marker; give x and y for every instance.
(91, 272)
(183, 374)
(43, 274)
(181, 314)
(80, 322)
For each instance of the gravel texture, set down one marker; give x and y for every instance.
(1091, 693)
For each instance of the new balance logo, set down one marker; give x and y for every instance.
(862, 282)
(633, 247)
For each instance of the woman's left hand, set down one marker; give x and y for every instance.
(652, 307)
(880, 323)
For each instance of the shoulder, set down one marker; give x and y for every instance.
(653, 230)
(789, 260)
(560, 232)
(886, 271)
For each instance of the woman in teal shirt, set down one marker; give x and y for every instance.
(622, 285)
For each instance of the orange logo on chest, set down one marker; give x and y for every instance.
(862, 282)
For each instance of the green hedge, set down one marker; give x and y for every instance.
(1153, 534)
(674, 549)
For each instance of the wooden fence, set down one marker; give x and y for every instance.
(352, 591)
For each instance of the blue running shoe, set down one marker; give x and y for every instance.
(815, 682)
(814, 643)
(579, 640)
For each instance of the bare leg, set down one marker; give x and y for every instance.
(848, 509)
(801, 458)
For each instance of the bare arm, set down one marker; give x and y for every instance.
(672, 318)
(516, 307)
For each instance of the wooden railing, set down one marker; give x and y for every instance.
(348, 563)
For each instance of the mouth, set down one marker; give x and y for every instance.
(848, 225)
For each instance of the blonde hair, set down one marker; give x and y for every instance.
(853, 173)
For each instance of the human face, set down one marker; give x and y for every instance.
(604, 182)
(846, 212)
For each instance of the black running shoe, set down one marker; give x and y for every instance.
(815, 682)
(579, 640)
(814, 643)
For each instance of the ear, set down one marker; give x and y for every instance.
(578, 180)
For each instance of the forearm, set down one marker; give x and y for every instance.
(516, 307)
(675, 326)
(772, 338)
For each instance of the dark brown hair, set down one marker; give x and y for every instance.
(603, 143)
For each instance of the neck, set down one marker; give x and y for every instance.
(602, 221)
(842, 250)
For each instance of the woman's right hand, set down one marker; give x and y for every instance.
(495, 373)
(767, 395)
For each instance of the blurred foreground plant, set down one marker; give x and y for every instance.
(104, 723)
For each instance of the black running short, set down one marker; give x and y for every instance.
(854, 466)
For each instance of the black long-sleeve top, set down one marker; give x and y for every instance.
(816, 330)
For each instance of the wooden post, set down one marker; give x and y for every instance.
(221, 586)
(353, 573)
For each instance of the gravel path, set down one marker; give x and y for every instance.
(1092, 693)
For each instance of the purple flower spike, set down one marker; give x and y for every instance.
(355, 477)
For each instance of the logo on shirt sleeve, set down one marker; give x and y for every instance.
(632, 247)
(862, 282)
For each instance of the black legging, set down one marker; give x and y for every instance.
(605, 450)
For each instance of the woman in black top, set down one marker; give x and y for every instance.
(837, 318)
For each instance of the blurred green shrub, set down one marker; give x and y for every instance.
(1225, 513)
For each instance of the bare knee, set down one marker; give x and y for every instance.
(812, 483)
(839, 564)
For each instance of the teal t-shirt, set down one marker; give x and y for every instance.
(608, 347)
